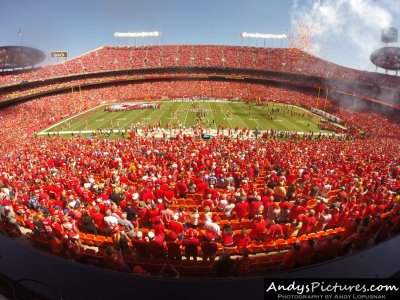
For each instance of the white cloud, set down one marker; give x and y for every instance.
(346, 27)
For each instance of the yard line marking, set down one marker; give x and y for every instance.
(212, 114)
(74, 116)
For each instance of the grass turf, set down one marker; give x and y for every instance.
(226, 114)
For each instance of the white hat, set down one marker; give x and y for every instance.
(135, 196)
(151, 235)
(139, 234)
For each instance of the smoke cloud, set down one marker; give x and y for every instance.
(345, 31)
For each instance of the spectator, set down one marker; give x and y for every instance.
(224, 265)
(242, 264)
(115, 261)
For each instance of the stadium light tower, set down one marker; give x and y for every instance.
(136, 35)
(264, 36)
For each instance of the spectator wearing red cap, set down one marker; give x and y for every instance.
(201, 187)
(209, 248)
(258, 228)
(120, 239)
(190, 243)
(169, 195)
(275, 231)
(242, 208)
(181, 189)
(98, 218)
(297, 209)
(254, 206)
(174, 247)
(242, 240)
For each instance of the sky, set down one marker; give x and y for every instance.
(342, 31)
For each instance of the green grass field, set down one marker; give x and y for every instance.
(226, 114)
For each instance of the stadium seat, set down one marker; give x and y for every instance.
(231, 249)
(99, 241)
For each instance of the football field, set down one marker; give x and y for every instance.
(187, 114)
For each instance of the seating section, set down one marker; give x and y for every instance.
(286, 202)
(111, 58)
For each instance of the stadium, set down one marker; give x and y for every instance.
(220, 165)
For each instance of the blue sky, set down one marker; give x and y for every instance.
(78, 26)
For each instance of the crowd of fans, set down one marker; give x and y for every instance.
(162, 198)
(109, 58)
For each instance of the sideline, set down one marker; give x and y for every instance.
(44, 131)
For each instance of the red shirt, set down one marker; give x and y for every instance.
(47, 225)
(115, 261)
(227, 239)
(308, 224)
(275, 231)
(201, 187)
(176, 227)
(254, 206)
(169, 195)
(258, 229)
(98, 219)
(242, 209)
(209, 248)
(174, 249)
(242, 241)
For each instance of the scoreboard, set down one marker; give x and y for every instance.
(57, 54)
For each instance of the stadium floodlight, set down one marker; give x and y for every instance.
(137, 34)
(263, 36)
